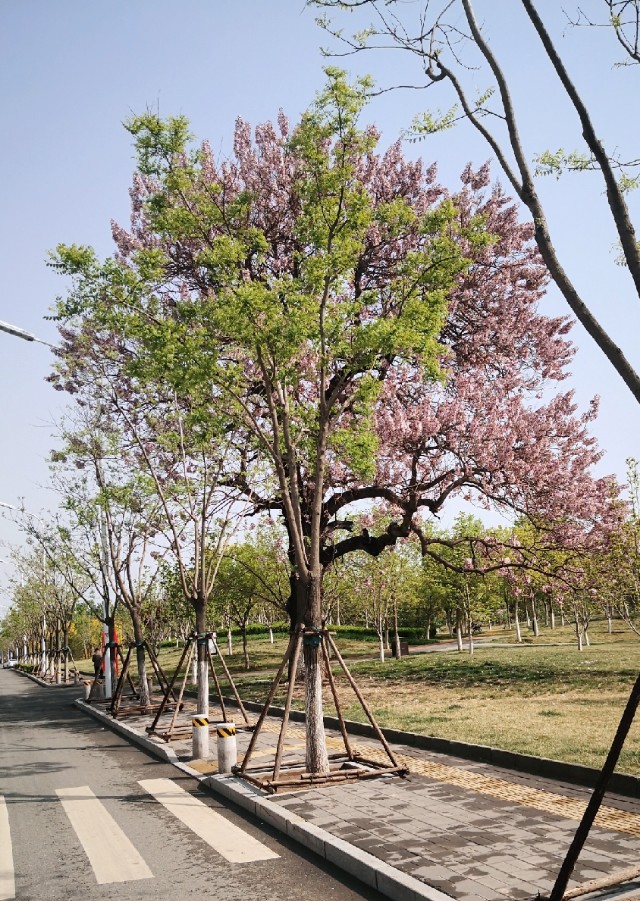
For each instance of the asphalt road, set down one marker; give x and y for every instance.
(79, 821)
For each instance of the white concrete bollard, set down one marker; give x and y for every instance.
(227, 746)
(199, 737)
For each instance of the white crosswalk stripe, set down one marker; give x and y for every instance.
(233, 843)
(110, 853)
(7, 875)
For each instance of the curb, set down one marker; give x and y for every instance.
(42, 682)
(620, 783)
(164, 752)
(363, 866)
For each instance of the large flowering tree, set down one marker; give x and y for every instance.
(361, 334)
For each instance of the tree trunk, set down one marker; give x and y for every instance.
(396, 637)
(203, 662)
(516, 620)
(229, 642)
(245, 651)
(459, 629)
(65, 639)
(317, 758)
(141, 663)
(381, 645)
(58, 674)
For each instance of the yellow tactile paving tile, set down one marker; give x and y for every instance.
(548, 802)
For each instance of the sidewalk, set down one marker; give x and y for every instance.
(453, 829)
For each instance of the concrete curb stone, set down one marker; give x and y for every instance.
(44, 683)
(164, 752)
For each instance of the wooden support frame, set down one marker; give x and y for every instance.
(345, 766)
(116, 708)
(62, 655)
(96, 679)
(189, 649)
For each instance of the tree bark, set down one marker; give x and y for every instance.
(317, 758)
(203, 662)
(141, 663)
(245, 650)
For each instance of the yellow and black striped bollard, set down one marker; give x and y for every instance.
(199, 737)
(227, 746)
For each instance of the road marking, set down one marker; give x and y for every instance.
(233, 843)
(110, 853)
(7, 876)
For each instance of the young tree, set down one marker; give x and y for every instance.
(101, 492)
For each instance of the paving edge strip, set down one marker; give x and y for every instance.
(363, 866)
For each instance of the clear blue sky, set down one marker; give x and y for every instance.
(72, 71)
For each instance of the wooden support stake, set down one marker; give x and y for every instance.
(187, 649)
(193, 649)
(270, 697)
(162, 679)
(363, 703)
(595, 885)
(232, 684)
(332, 685)
(287, 707)
(217, 684)
(115, 703)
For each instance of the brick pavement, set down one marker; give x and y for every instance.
(473, 831)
